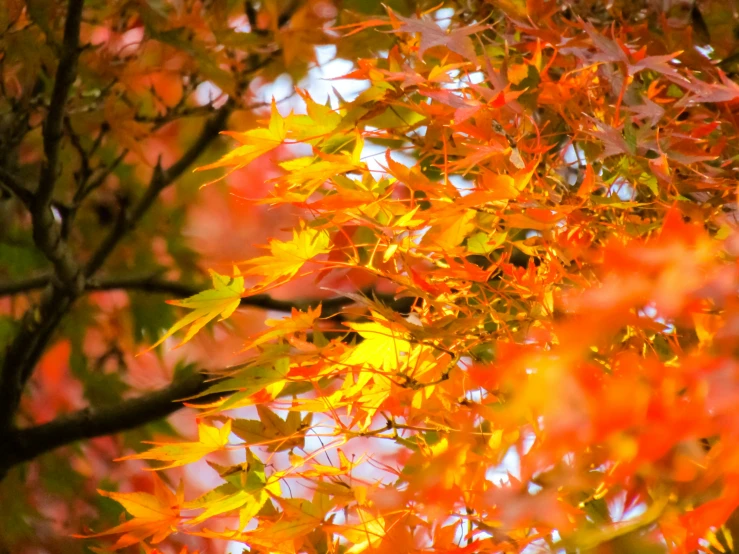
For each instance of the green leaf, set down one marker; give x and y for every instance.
(630, 137)
(248, 381)
(271, 431)
(482, 243)
(222, 299)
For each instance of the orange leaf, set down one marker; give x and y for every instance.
(154, 515)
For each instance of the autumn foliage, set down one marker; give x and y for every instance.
(485, 301)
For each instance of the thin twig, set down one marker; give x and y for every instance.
(103, 173)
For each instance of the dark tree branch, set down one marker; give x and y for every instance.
(74, 138)
(156, 285)
(264, 301)
(65, 75)
(22, 445)
(102, 174)
(20, 287)
(14, 185)
(46, 230)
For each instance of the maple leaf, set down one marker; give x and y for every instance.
(222, 299)
(246, 490)
(449, 232)
(648, 110)
(611, 138)
(210, 439)
(154, 515)
(298, 518)
(247, 382)
(304, 175)
(659, 64)
(384, 346)
(271, 431)
(367, 534)
(289, 256)
(296, 323)
(255, 143)
(319, 121)
(315, 470)
(725, 91)
(457, 40)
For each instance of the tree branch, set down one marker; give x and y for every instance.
(46, 230)
(19, 287)
(22, 445)
(65, 75)
(155, 285)
(175, 288)
(14, 185)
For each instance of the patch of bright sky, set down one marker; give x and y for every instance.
(511, 463)
(324, 80)
(618, 512)
(705, 50)
(474, 78)
(462, 184)
(571, 157)
(443, 17)
(542, 547)
(650, 311)
(475, 395)
(622, 188)
(461, 81)
(207, 93)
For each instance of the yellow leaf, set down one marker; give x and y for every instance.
(297, 322)
(706, 326)
(406, 220)
(308, 173)
(382, 348)
(255, 143)
(281, 536)
(288, 257)
(271, 431)
(248, 504)
(450, 231)
(367, 534)
(222, 299)
(389, 252)
(517, 73)
(316, 124)
(210, 439)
